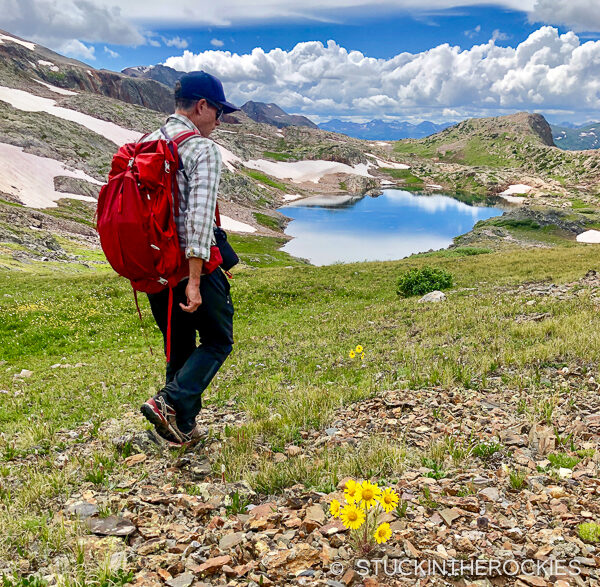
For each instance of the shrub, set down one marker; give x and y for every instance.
(589, 532)
(416, 282)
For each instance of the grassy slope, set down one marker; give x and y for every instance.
(289, 370)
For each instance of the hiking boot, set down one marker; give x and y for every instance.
(192, 438)
(158, 412)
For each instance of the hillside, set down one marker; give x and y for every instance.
(273, 114)
(487, 155)
(577, 139)
(481, 412)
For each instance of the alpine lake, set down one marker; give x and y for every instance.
(394, 225)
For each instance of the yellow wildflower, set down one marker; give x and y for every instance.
(352, 517)
(351, 490)
(362, 356)
(334, 508)
(388, 500)
(383, 533)
(359, 349)
(352, 354)
(368, 494)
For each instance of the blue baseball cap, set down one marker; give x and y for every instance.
(196, 85)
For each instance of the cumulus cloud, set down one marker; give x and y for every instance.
(579, 15)
(76, 48)
(56, 23)
(176, 42)
(498, 35)
(473, 33)
(216, 42)
(110, 52)
(546, 71)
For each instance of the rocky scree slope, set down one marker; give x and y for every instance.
(19, 63)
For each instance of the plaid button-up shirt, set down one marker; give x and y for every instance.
(201, 160)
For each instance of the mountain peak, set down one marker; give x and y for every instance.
(274, 115)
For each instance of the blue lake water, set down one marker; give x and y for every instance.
(331, 229)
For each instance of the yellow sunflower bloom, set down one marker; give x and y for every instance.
(383, 533)
(359, 349)
(334, 508)
(351, 490)
(352, 517)
(388, 500)
(352, 354)
(368, 494)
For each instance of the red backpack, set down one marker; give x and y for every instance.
(136, 217)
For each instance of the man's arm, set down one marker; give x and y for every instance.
(192, 291)
(203, 184)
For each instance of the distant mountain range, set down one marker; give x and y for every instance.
(384, 131)
(577, 138)
(273, 114)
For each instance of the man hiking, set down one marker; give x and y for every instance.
(200, 303)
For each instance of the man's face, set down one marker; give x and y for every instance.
(205, 118)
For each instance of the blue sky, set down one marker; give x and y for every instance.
(376, 36)
(412, 60)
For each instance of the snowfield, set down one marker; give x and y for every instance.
(31, 103)
(303, 171)
(31, 178)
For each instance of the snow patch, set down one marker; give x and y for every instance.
(31, 178)
(48, 64)
(388, 164)
(513, 199)
(589, 236)
(518, 188)
(290, 197)
(32, 103)
(56, 89)
(30, 46)
(302, 171)
(235, 225)
(434, 186)
(228, 158)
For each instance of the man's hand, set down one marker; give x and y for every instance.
(192, 291)
(194, 299)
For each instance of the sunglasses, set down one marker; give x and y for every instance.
(217, 106)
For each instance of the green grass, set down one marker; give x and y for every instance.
(262, 251)
(75, 210)
(455, 252)
(407, 147)
(277, 156)
(403, 174)
(268, 221)
(257, 175)
(289, 371)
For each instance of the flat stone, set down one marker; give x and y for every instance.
(214, 565)
(231, 540)
(111, 526)
(183, 580)
(490, 494)
(293, 451)
(82, 509)
(263, 511)
(135, 459)
(449, 515)
(315, 513)
(532, 580)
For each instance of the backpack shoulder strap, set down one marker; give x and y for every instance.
(184, 136)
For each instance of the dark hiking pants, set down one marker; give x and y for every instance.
(192, 367)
